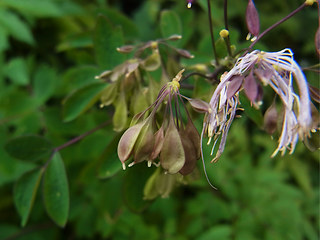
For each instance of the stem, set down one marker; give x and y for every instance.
(225, 8)
(275, 25)
(211, 33)
(74, 140)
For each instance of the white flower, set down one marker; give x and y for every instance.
(276, 69)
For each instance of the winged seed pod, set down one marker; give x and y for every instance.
(144, 144)
(252, 19)
(127, 142)
(172, 156)
(191, 144)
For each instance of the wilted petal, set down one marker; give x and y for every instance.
(252, 19)
(251, 87)
(234, 85)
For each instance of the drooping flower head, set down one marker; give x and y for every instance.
(175, 143)
(276, 69)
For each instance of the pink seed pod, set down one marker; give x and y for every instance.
(252, 19)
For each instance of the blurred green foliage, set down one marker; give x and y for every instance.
(50, 53)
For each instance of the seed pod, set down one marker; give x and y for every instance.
(128, 140)
(270, 119)
(150, 190)
(193, 134)
(190, 154)
(108, 95)
(158, 143)
(252, 19)
(120, 116)
(199, 105)
(165, 184)
(144, 144)
(152, 62)
(251, 87)
(172, 157)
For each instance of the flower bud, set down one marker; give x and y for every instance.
(252, 19)
(125, 49)
(174, 37)
(184, 53)
(224, 33)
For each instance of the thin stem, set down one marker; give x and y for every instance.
(275, 25)
(225, 13)
(74, 140)
(228, 44)
(77, 139)
(203, 162)
(211, 33)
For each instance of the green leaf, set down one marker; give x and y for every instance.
(24, 193)
(81, 100)
(4, 42)
(221, 232)
(118, 18)
(107, 39)
(80, 76)
(30, 148)
(35, 8)
(110, 163)
(56, 191)
(133, 187)
(44, 82)
(170, 24)
(77, 41)
(17, 71)
(15, 26)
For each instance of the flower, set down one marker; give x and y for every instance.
(276, 69)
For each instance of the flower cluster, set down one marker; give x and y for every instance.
(177, 144)
(276, 69)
